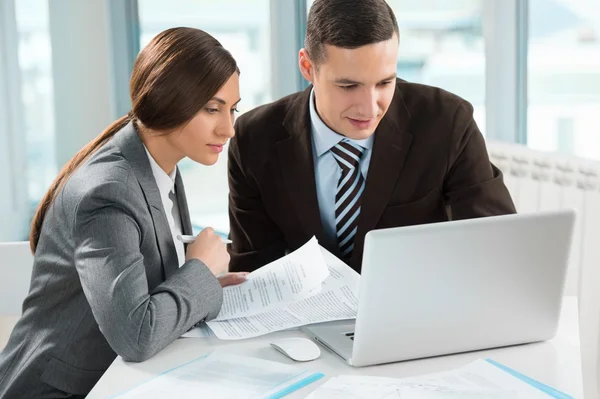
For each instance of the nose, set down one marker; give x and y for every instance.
(369, 107)
(226, 128)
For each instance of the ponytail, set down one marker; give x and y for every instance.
(173, 77)
(65, 174)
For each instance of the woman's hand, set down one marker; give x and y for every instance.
(210, 249)
(232, 278)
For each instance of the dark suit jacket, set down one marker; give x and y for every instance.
(429, 164)
(106, 280)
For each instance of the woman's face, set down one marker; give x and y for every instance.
(204, 137)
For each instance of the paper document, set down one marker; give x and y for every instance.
(336, 300)
(202, 331)
(291, 278)
(476, 380)
(220, 376)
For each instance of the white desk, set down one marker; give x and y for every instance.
(556, 362)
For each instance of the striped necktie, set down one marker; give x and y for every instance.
(348, 194)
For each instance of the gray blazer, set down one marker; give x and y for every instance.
(105, 279)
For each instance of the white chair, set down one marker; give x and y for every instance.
(16, 262)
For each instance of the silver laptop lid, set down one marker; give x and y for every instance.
(466, 285)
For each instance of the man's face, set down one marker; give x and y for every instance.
(354, 87)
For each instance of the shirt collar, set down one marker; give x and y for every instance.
(325, 138)
(165, 182)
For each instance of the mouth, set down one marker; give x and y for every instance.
(361, 123)
(216, 147)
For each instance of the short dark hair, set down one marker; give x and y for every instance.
(348, 24)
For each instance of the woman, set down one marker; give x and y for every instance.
(109, 278)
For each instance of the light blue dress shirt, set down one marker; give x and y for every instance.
(327, 170)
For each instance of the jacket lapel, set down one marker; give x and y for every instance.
(297, 166)
(133, 150)
(390, 149)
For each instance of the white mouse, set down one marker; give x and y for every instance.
(298, 349)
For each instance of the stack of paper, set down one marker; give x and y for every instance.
(477, 380)
(310, 285)
(225, 376)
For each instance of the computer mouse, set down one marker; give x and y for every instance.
(298, 349)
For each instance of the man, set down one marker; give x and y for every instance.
(358, 150)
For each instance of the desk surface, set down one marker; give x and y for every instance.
(556, 362)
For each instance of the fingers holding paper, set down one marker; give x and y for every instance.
(227, 279)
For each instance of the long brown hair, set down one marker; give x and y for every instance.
(173, 77)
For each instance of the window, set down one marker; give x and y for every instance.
(442, 44)
(35, 61)
(242, 26)
(564, 77)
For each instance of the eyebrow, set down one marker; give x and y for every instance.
(354, 82)
(221, 101)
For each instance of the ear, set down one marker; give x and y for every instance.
(306, 66)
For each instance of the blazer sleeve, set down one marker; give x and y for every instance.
(473, 186)
(257, 240)
(136, 323)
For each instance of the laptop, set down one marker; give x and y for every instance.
(453, 287)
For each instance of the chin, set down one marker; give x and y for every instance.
(353, 132)
(207, 160)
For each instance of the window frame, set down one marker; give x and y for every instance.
(14, 204)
